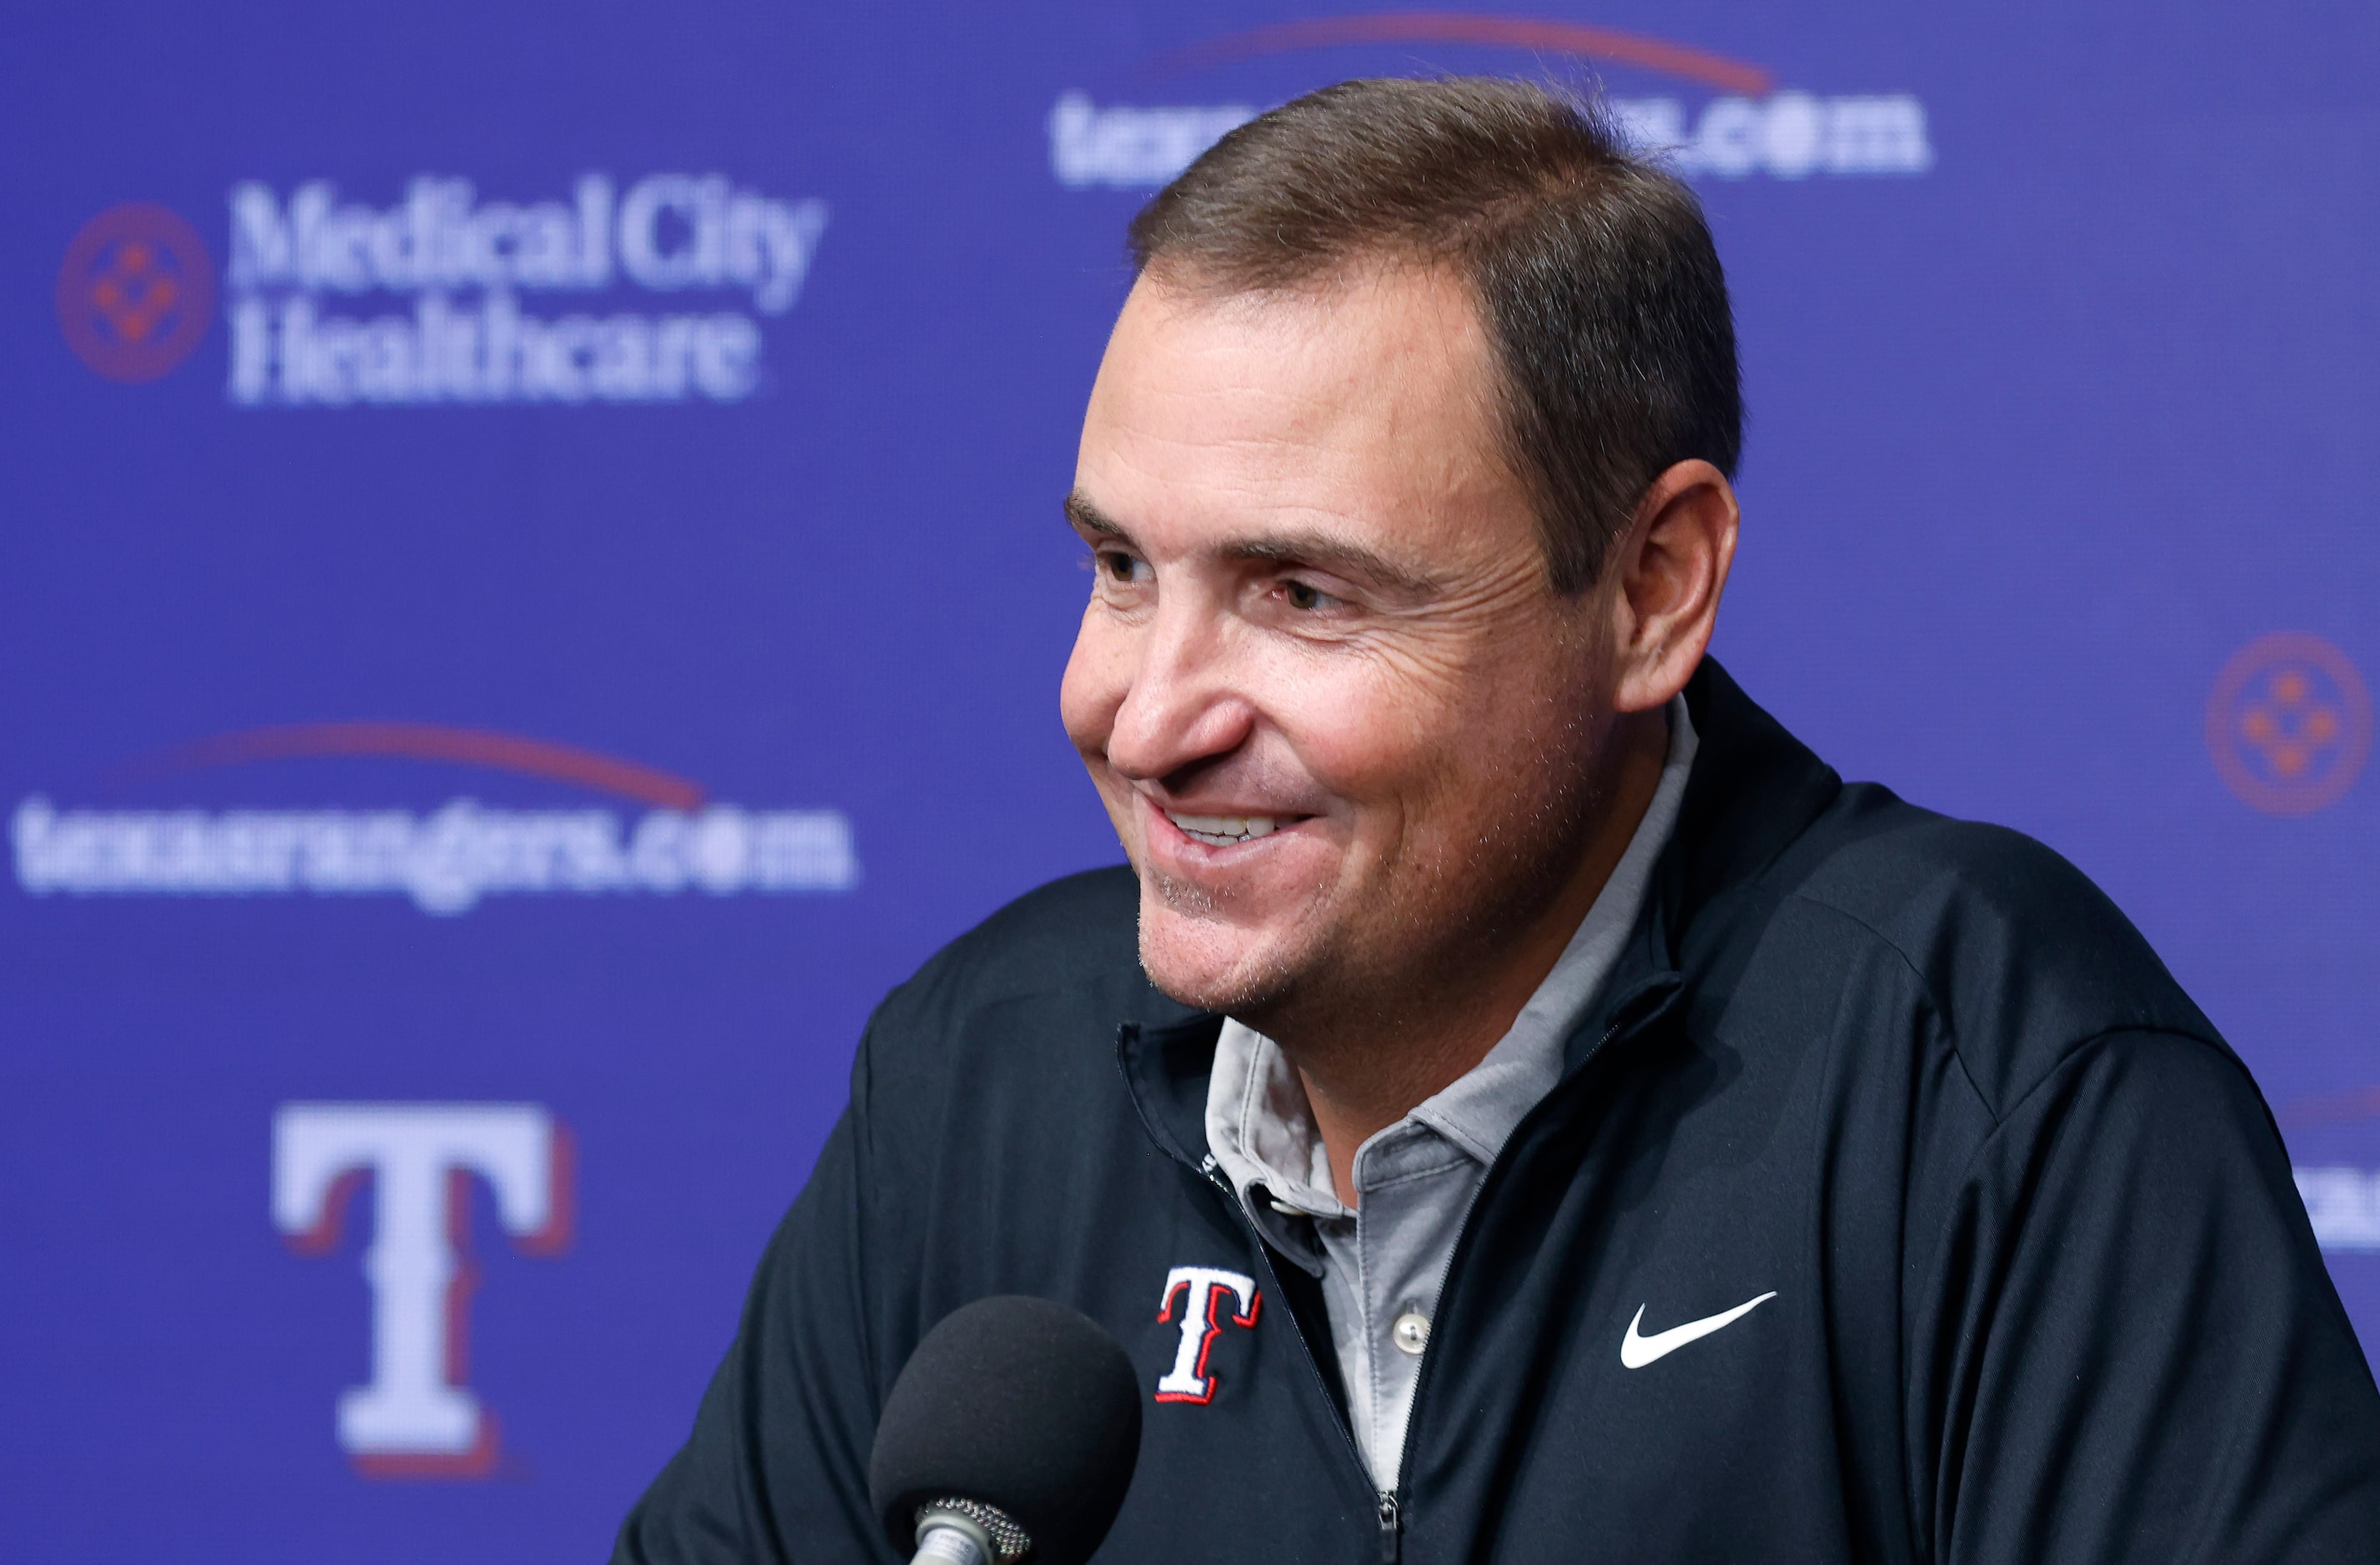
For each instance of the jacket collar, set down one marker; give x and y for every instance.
(1754, 789)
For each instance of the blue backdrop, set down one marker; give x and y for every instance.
(534, 592)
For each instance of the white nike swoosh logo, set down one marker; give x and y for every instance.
(1637, 1351)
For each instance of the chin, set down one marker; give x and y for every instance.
(1204, 963)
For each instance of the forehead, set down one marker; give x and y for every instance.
(1366, 404)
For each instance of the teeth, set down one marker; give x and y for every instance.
(1222, 830)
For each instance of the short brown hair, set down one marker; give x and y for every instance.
(1594, 268)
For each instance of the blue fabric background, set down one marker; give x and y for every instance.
(2045, 431)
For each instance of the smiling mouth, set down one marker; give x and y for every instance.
(1223, 830)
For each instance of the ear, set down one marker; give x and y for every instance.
(1665, 577)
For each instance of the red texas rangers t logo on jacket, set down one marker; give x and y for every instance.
(1202, 1290)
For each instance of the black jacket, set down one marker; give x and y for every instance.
(2043, 1291)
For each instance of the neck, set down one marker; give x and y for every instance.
(1369, 1064)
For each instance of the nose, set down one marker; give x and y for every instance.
(1183, 704)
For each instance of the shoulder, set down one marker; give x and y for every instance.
(1082, 926)
(1081, 931)
(2022, 959)
(1059, 959)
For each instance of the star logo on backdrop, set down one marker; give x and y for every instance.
(136, 292)
(2289, 724)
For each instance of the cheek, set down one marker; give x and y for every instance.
(1434, 750)
(1367, 730)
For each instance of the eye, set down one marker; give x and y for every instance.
(1118, 566)
(1302, 597)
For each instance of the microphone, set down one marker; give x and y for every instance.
(1011, 1434)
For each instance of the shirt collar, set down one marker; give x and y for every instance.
(1261, 1131)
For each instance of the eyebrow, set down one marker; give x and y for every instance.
(1296, 547)
(1333, 554)
(1090, 518)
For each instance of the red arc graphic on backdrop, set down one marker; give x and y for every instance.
(1454, 26)
(2329, 1108)
(2289, 724)
(433, 742)
(135, 291)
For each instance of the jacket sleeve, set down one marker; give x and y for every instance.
(776, 1469)
(2137, 1353)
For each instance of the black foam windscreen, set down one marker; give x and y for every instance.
(1020, 1404)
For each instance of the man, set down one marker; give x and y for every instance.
(1556, 1117)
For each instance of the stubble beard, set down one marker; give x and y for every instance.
(1353, 984)
(1244, 988)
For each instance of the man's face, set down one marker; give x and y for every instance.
(1345, 730)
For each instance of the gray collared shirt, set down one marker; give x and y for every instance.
(1382, 1264)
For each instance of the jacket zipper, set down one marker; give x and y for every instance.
(1391, 1524)
(1391, 1512)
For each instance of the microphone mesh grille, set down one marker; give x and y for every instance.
(1009, 1540)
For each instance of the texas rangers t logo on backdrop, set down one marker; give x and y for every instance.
(415, 1419)
(1202, 1290)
